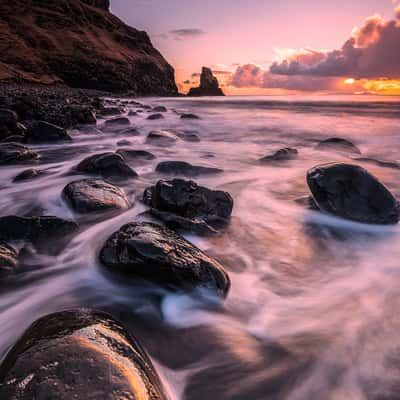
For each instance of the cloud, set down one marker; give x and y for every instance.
(186, 33)
(195, 75)
(372, 51)
(397, 11)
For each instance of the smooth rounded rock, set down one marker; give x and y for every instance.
(94, 195)
(14, 153)
(118, 121)
(158, 254)
(153, 117)
(338, 144)
(28, 174)
(185, 168)
(78, 354)
(44, 132)
(285, 154)
(351, 192)
(160, 109)
(136, 155)
(189, 116)
(161, 137)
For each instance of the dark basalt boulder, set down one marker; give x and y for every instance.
(124, 142)
(109, 111)
(9, 125)
(189, 116)
(118, 121)
(44, 132)
(351, 192)
(107, 165)
(136, 155)
(208, 85)
(94, 195)
(157, 254)
(184, 168)
(153, 117)
(35, 229)
(196, 207)
(338, 144)
(82, 114)
(161, 137)
(132, 113)
(8, 258)
(28, 174)
(11, 153)
(160, 109)
(285, 154)
(78, 354)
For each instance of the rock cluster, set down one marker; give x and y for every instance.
(208, 85)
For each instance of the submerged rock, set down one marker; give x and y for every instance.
(208, 85)
(349, 191)
(78, 354)
(136, 155)
(118, 121)
(132, 113)
(285, 154)
(44, 132)
(35, 229)
(189, 137)
(107, 165)
(157, 254)
(28, 174)
(183, 204)
(93, 195)
(159, 109)
(161, 137)
(189, 116)
(184, 168)
(339, 144)
(8, 258)
(155, 116)
(14, 153)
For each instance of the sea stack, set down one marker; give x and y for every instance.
(208, 85)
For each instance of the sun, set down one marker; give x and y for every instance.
(349, 81)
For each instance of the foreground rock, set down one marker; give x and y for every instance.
(94, 195)
(8, 258)
(44, 132)
(11, 153)
(184, 168)
(182, 204)
(285, 154)
(35, 229)
(107, 54)
(61, 353)
(108, 165)
(208, 85)
(161, 137)
(338, 144)
(157, 254)
(28, 174)
(351, 192)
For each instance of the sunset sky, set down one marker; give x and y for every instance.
(276, 47)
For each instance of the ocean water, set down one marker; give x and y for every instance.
(313, 311)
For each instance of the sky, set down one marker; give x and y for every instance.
(276, 46)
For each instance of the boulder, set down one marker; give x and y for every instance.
(82, 114)
(9, 125)
(184, 168)
(157, 254)
(155, 116)
(123, 142)
(189, 116)
(11, 153)
(108, 111)
(351, 192)
(8, 258)
(118, 121)
(132, 113)
(136, 155)
(107, 165)
(182, 204)
(28, 174)
(189, 137)
(208, 85)
(285, 154)
(78, 354)
(44, 132)
(35, 229)
(339, 144)
(161, 137)
(93, 195)
(160, 109)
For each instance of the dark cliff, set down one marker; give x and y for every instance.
(81, 44)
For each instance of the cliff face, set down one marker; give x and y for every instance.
(208, 85)
(81, 44)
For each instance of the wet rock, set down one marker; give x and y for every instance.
(109, 111)
(155, 116)
(14, 153)
(132, 113)
(136, 155)
(194, 206)
(128, 131)
(189, 137)
(8, 258)
(161, 137)
(155, 253)
(160, 109)
(351, 192)
(285, 154)
(339, 144)
(189, 116)
(28, 174)
(44, 132)
(107, 165)
(83, 114)
(9, 125)
(208, 85)
(78, 354)
(93, 195)
(35, 229)
(184, 168)
(124, 143)
(118, 121)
